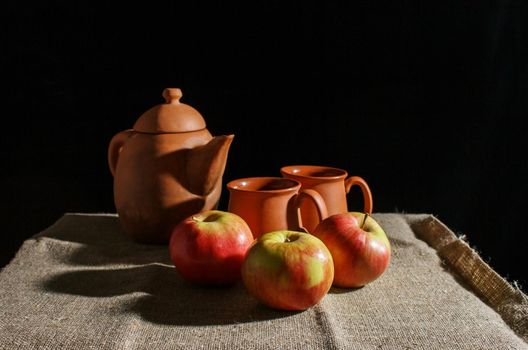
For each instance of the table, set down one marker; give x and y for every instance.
(83, 284)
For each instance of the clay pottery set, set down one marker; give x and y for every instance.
(166, 168)
(169, 167)
(300, 200)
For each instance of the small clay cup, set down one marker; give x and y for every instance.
(333, 184)
(272, 203)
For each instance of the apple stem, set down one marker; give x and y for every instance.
(364, 220)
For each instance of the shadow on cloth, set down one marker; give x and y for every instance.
(92, 229)
(97, 240)
(163, 297)
(339, 290)
(127, 253)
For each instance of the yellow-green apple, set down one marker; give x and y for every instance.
(359, 247)
(288, 270)
(208, 248)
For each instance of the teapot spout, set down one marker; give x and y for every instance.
(206, 164)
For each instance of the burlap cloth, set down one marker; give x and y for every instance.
(83, 284)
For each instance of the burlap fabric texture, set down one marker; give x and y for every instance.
(82, 284)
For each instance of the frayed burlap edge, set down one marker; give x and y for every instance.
(506, 299)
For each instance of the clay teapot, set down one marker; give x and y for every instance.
(165, 169)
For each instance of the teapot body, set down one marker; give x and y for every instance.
(151, 192)
(166, 168)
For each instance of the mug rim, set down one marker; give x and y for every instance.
(287, 171)
(296, 185)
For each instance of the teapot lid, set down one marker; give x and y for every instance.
(171, 116)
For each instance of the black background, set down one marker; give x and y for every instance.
(426, 101)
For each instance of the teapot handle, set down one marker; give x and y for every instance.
(367, 195)
(116, 145)
(317, 199)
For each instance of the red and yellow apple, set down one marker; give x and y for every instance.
(359, 247)
(208, 248)
(288, 270)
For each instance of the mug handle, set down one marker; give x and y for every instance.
(317, 199)
(367, 195)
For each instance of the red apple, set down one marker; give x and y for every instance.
(359, 247)
(208, 248)
(288, 270)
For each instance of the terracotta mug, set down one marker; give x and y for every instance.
(332, 184)
(272, 203)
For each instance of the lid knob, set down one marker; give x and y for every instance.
(172, 95)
